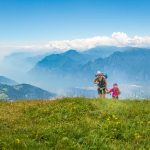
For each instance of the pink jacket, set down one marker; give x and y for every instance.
(115, 91)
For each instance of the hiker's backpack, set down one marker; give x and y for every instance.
(105, 75)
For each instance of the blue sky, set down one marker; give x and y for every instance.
(43, 20)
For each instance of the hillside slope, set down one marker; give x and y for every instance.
(75, 123)
(23, 91)
(5, 80)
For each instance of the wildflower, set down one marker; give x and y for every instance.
(113, 116)
(108, 119)
(117, 123)
(17, 141)
(137, 135)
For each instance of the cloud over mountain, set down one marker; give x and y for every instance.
(116, 39)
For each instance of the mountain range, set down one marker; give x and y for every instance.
(75, 70)
(11, 90)
(131, 65)
(128, 66)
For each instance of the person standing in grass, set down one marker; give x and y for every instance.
(101, 82)
(115, 91)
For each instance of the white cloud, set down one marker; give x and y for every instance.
(116, 39)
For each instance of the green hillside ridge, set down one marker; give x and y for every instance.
(23, 91)
(75, 124)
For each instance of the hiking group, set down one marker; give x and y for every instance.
(101, 82)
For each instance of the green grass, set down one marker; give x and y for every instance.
(75, 124)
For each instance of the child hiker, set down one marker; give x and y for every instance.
(115, 91)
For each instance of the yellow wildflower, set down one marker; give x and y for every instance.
(17, 141)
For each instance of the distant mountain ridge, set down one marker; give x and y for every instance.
(74, 68)
(133, 64)
(10, 89)
(5, 80)
(66, 62)
(101, 52)
(23, 91)
(23, 60)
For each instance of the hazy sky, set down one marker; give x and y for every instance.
(24, 22)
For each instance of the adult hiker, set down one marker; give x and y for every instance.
(101, 82)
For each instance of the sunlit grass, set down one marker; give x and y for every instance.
(75, 123)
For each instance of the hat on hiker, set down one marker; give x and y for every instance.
(98, 73)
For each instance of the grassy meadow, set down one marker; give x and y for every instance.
(75, 124)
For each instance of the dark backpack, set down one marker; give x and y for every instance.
(105, 75)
